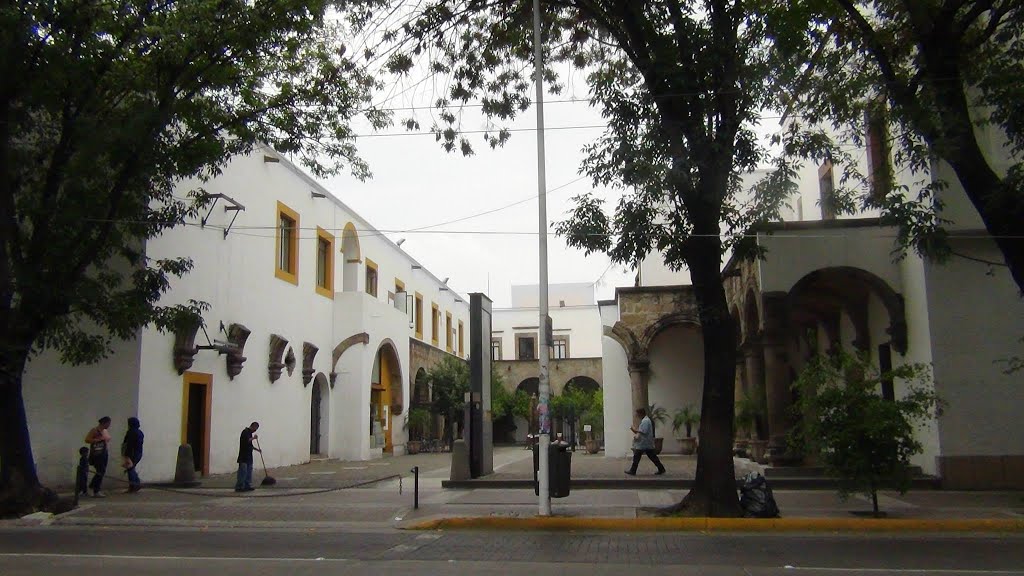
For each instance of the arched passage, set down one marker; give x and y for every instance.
(531, 386)
(353, 256)
(319, 414)
(583, 383)
(421, 390)
(385, 393)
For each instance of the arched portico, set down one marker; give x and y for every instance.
(386, 394)
(319, 416)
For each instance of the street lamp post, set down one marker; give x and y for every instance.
(544, 387)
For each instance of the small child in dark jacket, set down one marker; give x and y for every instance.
(82, 480)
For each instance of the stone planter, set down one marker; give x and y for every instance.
(741, 448)
(413, 447)
(687, 446)
(658, 442)
(593, 446)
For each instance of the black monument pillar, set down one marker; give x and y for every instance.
(481, 431)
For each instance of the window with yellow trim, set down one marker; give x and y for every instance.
(419, 316)
(448, 331)
(371, 278)
(324, 263)
(462, 352)
(435, 324)
(286, 266)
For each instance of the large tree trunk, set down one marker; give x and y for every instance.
(20, 491)
(714, 491)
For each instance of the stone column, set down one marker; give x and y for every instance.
(776, 373)
(753, 357)
(639, 373)
(741, 376)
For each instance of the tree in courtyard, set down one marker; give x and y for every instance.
(680, 84)
(449, 382)
(104, 107)
(863, 438)
(934, 78)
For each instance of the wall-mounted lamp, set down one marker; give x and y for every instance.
(417, 267)
(270, 159)
(318, 195)
(400, 241)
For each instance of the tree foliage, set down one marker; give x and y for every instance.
(941, 79)
(863, 438)
(104, 108)
(449, 381)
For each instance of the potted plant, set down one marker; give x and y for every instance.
(417, 423)
(685, 418)
(594, 419)
(658, 415)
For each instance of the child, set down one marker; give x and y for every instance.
(82, 480)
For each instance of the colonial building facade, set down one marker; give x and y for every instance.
(316, 328)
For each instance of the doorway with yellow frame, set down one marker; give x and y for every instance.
(384, 382)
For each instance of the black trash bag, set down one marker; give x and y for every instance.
(756, 499)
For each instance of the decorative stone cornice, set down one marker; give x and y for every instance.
(276, 363)
(185, 348)
(308, 354)
(237, 335)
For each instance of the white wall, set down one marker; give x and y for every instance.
(62, 405)
(581, 323)
(573, 294)
(676, 377)
(618, 403)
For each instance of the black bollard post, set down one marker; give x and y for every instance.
(415, 487)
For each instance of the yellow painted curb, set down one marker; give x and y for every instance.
(723, 524)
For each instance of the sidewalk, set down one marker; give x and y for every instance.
(366, 495)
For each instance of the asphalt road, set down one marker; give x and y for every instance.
(216, 552)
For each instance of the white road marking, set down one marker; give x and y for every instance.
(898, 570)
(169, 558)
(354, 468)
(322, 473)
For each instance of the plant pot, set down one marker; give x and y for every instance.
(758, 449)
(413, 447)
(658, 442)
(687, 446)
(593, 446)
(740, 447)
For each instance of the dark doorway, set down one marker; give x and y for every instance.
(314, 420)
(197, 431)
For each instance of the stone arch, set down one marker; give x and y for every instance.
(664, 323)
(734, 313)
(585, 383)
(421, 389)
(822, 293)
(530, 385)
(353, 257)
(625, 337)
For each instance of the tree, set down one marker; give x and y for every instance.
(863, 438)
(104, 108)
(680, 84)
(449, 380)
(939, 74)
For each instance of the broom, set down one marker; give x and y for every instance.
(268, 480)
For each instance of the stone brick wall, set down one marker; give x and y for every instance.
(559, 371)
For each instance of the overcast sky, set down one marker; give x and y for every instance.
(416, 184)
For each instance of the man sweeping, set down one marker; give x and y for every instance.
(243, 482)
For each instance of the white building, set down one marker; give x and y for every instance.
(329, 322)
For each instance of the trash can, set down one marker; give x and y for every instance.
(559, 469)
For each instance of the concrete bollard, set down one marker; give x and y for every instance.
(460, 461)
(185, 469)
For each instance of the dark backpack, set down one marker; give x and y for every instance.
(756, 498)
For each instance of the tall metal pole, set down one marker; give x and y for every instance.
(542, 348)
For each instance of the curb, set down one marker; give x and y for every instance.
(777, 483)
(553, 523)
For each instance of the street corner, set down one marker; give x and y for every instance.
(716, 525)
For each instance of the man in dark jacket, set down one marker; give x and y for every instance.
(243, 482)
(131, 450)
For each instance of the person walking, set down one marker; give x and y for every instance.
(98, 440)
(243, 482)
(131, 450)
(643, 443)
